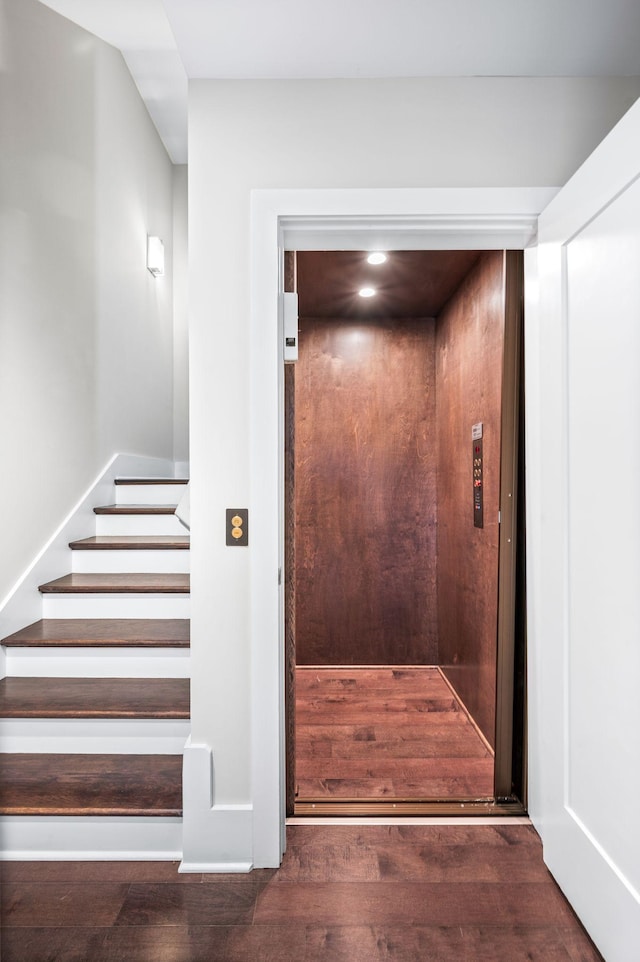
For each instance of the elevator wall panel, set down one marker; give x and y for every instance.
(469, 346)
(366, 492)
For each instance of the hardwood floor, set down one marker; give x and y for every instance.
(401, 893)
(385, 733)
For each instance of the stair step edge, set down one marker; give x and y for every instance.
(141, 509)
(122, 583)
(138, 481)
(115, 643)
(89, 711)
(132, 543)
(103, 632)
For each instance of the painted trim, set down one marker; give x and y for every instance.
(605, 174)
(216, 838)
(404, 218)
(533, 519)
(215, 868)
(598, 890)
(90, 838)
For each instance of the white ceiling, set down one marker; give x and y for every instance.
(166, 41)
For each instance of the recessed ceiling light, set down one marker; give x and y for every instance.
(377, 257)
(366, 292)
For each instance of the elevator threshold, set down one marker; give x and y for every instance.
(359, 808)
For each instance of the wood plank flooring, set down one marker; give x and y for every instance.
(385, 733)
(355, 893)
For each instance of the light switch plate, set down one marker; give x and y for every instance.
(237, 527)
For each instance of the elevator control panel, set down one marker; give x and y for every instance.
(478, 483)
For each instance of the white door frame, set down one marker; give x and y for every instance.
(584, 589)
(352, 219)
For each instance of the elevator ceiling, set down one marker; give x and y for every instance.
(407, 284)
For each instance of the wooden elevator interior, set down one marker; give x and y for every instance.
(388, 567)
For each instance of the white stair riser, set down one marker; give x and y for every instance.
(139, 524)
(97, 662)
(88, 736)
(149, 493)
(90, 837)
(116, 606)
(114, 561)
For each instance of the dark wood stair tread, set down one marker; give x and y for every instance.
(111, 542)
(121, 583)
(103, 633)
(151, 481)
(94, 697)
(135, 509)
(134, 785)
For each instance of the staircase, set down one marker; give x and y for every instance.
(94, 710)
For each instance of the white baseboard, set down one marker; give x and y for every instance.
(215, 868)
(90, 838)
(23, 605)
(216, 838)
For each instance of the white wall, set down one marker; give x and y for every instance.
(86, 333)
(317, 134)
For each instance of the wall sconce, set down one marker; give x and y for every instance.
(155, 256)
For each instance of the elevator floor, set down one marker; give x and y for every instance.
(386, 733)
